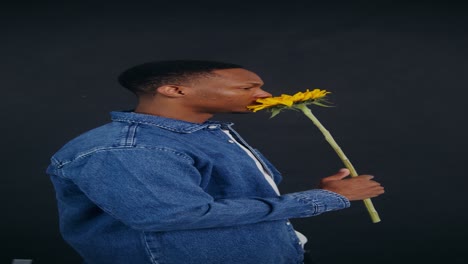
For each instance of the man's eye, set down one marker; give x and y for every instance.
(247, 88)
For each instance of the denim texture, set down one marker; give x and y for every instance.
(148, 189)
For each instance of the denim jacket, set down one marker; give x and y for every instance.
(147, 189)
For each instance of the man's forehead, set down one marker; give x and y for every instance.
(239, 75)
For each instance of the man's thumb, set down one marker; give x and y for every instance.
(341, 174)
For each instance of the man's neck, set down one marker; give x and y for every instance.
(172, 112)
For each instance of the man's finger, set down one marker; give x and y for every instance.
(367, 177)
(342, 173)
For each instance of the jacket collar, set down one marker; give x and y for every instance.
(170, 124)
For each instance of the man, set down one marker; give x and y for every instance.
(164, 184)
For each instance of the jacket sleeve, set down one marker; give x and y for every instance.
(159, 190)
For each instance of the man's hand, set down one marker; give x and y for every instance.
(355, 188)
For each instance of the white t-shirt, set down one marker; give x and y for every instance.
(268, 178)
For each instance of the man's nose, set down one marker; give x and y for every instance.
(263, 94)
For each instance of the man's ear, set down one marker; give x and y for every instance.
(171, 90)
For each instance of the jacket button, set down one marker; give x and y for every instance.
(231, 141)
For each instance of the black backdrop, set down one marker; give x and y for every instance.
(397, 73)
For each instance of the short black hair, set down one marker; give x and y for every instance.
(146, 77)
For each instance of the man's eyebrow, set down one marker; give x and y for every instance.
(257, 83)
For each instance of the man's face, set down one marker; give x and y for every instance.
(231, 90)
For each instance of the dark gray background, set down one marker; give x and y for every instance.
(397, 72)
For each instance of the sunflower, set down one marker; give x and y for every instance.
(299, 101)
(278, 103)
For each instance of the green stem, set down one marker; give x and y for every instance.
(370, 207)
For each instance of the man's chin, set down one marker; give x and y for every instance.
(239, 112)
(246, 112)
